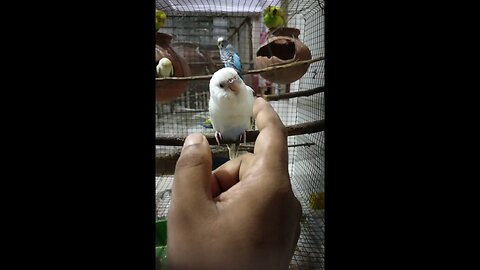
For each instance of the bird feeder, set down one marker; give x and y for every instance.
(282, 47)
(168, 90)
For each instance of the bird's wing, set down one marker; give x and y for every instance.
(236, 61)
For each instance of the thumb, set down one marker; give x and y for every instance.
(191, 190)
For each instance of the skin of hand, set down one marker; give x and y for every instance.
(243, 215)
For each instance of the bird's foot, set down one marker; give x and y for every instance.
(218, 137)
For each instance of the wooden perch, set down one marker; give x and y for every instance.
(294, 94)
(250, 148)
(293, 130)
(291, 64)
(248, 72)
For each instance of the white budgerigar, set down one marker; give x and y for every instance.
(230, 107)
(164, 68)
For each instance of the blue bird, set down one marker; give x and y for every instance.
(229, 56)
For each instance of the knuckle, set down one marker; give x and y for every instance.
(191, 156)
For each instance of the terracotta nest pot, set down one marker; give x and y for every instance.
(199, 62)
(283, 47)
(166, 91)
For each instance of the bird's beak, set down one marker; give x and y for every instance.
(234, 85)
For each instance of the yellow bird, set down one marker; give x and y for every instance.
(160, 19)
(164, 68)
(317, 200)
(273, 17)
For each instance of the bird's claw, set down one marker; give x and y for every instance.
(218, 137)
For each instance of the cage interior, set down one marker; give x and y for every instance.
(195, 26)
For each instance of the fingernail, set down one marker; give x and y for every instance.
(195, 138)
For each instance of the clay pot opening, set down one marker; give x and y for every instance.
(284, 50)
(280, 50)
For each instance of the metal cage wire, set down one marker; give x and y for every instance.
(195, 26)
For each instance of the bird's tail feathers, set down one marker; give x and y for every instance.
(233, 150)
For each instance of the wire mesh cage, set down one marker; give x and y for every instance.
(194, 27)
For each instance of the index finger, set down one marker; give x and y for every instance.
(271, 142)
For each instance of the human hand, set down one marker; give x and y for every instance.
(243, 215)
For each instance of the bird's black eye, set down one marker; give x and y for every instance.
(221, 85)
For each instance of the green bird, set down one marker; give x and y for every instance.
(273, 17)
(160, 19)
(207, 123)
